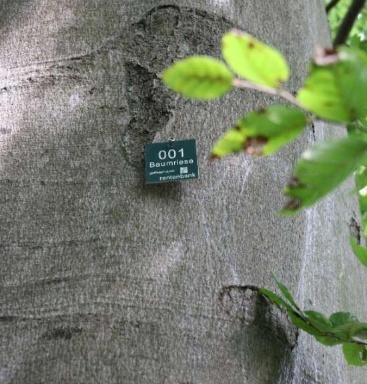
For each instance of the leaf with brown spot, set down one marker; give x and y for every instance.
(262, 132)
(253, 60)
(254, 145)
(336, 88)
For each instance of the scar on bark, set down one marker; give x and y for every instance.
(248, 305)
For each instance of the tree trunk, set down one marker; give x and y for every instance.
(107, 280)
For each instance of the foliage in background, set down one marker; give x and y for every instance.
(335, 90)
(336, 16)
(346, 19)
(358, 39)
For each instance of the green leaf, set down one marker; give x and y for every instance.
(274, 298)
(361, 186)
(285, 292)
(343, 324)
(337, 91)
(262, 132)
(231, 142)
(199, 77)
(320, 95)
(321, 169)
(302, 324)
(341, 318)
(355, 354)
(359, 251)
(350, 331)
(328, 340)
(254, 60)
(343, 331)
(359, 330)
(357, 128)
(318, 320)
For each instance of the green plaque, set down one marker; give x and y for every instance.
(171, 161)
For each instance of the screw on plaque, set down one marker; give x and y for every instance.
(170, 142)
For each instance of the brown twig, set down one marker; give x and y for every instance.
(348, 22)
(239, 83)
(331, 5)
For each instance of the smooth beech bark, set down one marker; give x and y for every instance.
(107, 280)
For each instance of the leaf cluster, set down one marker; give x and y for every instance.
(335, 90)
(341, 328)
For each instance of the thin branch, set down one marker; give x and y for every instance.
(348, 22)
(239, 83)
(331, 5)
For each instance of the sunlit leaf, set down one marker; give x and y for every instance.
(254, 60)
(320, 95)
(355, 354)
(337, 91)
(262, 132)
(199, 77)
(231, 142)
(359, 251)
(321, 169)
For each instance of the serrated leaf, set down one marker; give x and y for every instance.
(359, 251)
(262, 132)
(322, 168)
(199, 77)
(355, 354)
(253, 60)
(318, 320)
(337, 91)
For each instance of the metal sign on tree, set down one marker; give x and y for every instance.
(171, 161)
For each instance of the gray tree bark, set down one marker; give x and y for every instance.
(107, 280)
